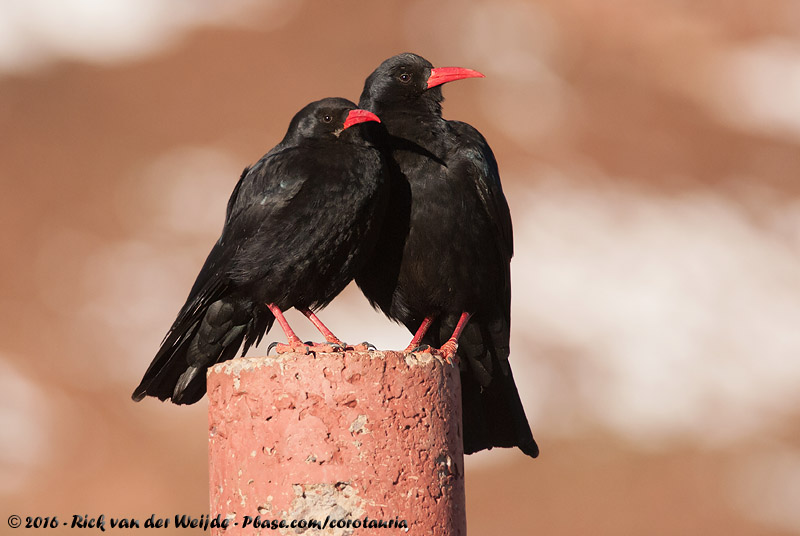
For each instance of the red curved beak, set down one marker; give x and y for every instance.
(359, 116)
(442, 75)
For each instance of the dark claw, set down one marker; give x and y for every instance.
(422, 349)
(271, 346)
(369, 346)
(325, 346)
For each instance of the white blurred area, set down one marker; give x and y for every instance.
(680, 311)
(757, 87)
(34, 33)
(649, 155)
(24, 419)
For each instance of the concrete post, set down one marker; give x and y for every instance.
(348, 441)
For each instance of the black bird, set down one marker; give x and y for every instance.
(299, 224)
(442, 264)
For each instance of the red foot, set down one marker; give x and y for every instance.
(362, 347)
(320, 347)
(327, 347)
(448, 351)
(294, 347)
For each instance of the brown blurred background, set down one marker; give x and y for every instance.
(650, 151)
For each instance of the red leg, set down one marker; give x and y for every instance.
(423, 329)
(329, 336)
(334, 343)
(295, 344)
(448, 349)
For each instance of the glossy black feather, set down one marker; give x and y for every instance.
(299, 225)
(446, 246)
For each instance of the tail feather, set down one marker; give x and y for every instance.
(196, 342)
(184, 381)
(162, 375)
(492, 412)
(493, 416)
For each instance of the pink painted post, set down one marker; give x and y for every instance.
(344, 440)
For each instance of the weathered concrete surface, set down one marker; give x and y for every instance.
(337, 436)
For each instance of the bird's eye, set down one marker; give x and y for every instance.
(327, 118)
(404, 77)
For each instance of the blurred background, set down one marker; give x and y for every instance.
(650, 152)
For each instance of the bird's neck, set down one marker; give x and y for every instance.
(409, 120)
(426, 110)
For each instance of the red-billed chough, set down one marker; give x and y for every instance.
(299, 224)
(442, 263)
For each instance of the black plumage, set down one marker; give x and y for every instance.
(442, 264)
(299, 224)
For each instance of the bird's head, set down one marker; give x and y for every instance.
(411, 82)
(327, 119)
